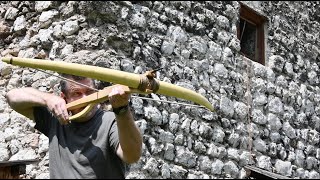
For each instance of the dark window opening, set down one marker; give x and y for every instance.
(248, 38)
(251, 34)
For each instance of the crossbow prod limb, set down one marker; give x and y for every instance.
(137, 83)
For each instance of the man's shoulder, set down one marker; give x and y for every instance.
(106, 114)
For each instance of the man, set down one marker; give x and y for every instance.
(95, 146)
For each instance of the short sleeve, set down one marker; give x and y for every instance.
(113, 136)
(44, 119)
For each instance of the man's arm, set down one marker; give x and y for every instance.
(23, 100)
(130, 148)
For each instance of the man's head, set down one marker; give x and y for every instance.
(71, 91)
(66, 87)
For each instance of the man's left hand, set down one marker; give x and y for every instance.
(118, 97)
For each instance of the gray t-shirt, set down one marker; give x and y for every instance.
(82, 150)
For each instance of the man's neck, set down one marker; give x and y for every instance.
(88, 116)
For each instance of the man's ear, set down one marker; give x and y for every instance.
(63, 96)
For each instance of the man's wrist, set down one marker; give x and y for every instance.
(121, 110)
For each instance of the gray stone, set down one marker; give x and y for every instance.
(283, 167)
(20, 24)
(185, 126)
(43, 144)
(234, 140)
(11, 13)
(259, 85)
(275, 105)
(216, 152)
(143, 125)
(66, 50)
(264, 162)
(288, 69)
(138, 20)
(178, 172)
(194, 127)
(4, 154)
(218, 135)
(241, 110)
(259, 70)
(205, 130)
(154, 114)
(301, 173)
(185, 157)
(165, 171)
(177, 34)
(223, 22)
(311, 163)
(276, 62)
(260, 145)
(289, 130)
(179, 139)
(275, 136)
(152, 167)
(42, 5)
(227, 106)
(198, 44)
(137, 105)
(205, 164)
(4, 119)
(46, 18)
(233, 154)
(169, 152)
(313, 175)
(274, 122)
(313, 137)
(155, 147)
(300, 158)
(214, 51)
(57, 31)
(165, 136)
(167, 47)
(70, 27)
(24, 154)
(245, 158)
(258, 117)
(231, 168)
(199, 147)
(217, 166)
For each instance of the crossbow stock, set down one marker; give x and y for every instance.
(134, 83)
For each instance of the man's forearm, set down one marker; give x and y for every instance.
(25, 98)
(130, 137)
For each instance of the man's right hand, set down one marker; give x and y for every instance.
(23, 101)
(57, 106)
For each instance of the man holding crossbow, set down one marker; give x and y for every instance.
(96, 145)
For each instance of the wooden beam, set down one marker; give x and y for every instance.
(13, 169)
(264, 173)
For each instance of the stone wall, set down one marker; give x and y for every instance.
(266, 116)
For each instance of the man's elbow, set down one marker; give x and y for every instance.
(135, 157)
(11, 97)
(133, 160)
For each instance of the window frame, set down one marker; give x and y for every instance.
(253, 17)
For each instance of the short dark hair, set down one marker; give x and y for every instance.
(63, 83)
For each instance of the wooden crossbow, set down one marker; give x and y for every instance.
(134, 83)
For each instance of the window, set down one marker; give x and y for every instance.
(251, 34)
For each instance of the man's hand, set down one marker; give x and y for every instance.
(118, 97)
(57, 106)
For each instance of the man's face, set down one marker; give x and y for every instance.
(75, 92)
